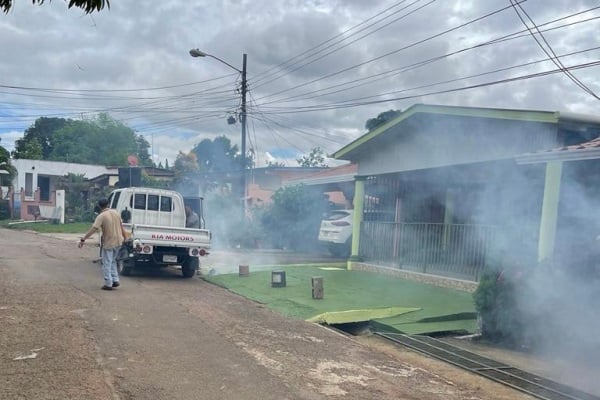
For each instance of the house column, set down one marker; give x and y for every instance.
(448, 217)
(549, 210)
(359, 205)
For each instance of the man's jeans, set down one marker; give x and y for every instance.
(109, 266)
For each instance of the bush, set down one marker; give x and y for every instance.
(292, 221)
(496, 302)
(543, 307)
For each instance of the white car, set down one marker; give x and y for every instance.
(336, 232)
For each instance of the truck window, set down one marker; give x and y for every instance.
(113, 199)
(139, 201)
(166, 204)
(153, 202)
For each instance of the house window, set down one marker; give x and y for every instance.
(4, 180)
(28, 184)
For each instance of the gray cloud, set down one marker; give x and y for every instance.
(142, 45)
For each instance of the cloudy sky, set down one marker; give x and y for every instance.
(317, 69)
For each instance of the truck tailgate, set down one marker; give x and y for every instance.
(169, 236)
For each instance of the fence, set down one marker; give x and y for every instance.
(453, 250)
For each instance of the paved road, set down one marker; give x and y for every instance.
(163, 337)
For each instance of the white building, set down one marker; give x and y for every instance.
(34, 192)
(34, 174)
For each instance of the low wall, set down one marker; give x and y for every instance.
(436, 280)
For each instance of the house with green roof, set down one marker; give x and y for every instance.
(446, 190)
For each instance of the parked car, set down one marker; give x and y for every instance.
(336, 232)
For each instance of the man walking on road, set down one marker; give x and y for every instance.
(113, 235)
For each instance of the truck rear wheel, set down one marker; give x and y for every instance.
(126, 267)
(189, 267)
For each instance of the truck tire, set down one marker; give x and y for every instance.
(189, 267)
(341, 249)
(126, 267)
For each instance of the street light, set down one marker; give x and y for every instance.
(198, 53)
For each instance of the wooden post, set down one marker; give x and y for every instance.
(278, 279)
(244, 270)
(317, 287)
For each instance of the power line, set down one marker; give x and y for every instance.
(460, 26)
(411, 67)
(472, 76)
(348, 104)
(550, 52)
(348, 44)
(267, 72)
(117, 90)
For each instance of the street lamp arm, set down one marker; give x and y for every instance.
(198, 53)
(244, 90)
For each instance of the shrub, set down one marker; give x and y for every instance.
(496, 302)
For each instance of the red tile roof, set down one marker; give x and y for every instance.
(594, 143)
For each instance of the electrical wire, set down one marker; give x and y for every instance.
(411, 45)
(301, 55)
(478, 75)
(349, 104)
(347, 44)
(550, 52)
(411, 67)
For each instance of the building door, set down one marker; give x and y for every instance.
(44, 185)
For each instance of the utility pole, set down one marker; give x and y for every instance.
(243, 189)
(243, 116)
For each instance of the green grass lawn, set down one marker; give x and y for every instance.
(392, 303)
(47, 227)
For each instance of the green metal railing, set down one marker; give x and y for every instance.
(452, 250)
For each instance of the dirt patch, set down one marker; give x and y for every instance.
(46, 349)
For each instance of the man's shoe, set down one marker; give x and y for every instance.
(116, 284)
(106, 287)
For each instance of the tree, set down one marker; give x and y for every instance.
(315, 158)
(38, 141)
(5, 163)
(101, 140)
(77, 201)
(186, 169)
(88, 6)
(152, 182)
(382, 118)
(219, 161)
(293, 219)
(217, 155)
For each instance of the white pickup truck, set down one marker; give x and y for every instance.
(155, 218)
